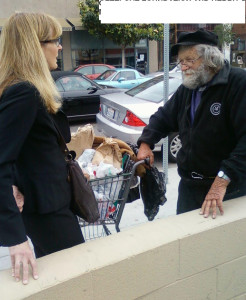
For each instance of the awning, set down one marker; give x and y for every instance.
(76, 23)
(64, 24)
(2, 21)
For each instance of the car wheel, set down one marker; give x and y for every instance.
(174, 145)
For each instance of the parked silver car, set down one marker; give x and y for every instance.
(124, 115)
(175, 72)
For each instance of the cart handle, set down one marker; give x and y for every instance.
(140, 162)
(147, 161)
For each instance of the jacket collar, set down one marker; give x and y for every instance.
(222, 76)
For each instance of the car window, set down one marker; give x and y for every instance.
(59, 86)
(117, 77)
(140, 74)
(100, 69)
(86, 70)
(134, 91)
(153, 89)
(154, 93)
(74, 83)
(107, 75)
(128, 75)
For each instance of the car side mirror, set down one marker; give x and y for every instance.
(92, 89)
(121, 79)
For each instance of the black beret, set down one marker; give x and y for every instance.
(200, 36)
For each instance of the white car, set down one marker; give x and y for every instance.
(124, 115)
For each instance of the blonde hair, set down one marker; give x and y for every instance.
(22, 57)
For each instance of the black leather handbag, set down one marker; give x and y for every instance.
(83, 203)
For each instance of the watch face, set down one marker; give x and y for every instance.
(221, 174)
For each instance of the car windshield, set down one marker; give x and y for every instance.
(152, 90)
(110, 76)
(106, 75)
(73, 83)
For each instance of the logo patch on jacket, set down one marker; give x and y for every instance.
(215, 109)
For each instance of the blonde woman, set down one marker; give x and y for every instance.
(29, 143)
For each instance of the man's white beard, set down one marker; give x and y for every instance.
(197, 78)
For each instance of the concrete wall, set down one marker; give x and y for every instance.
(182, 257)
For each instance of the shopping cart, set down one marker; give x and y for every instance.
(111, 193)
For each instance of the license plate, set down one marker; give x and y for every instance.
(110, 113)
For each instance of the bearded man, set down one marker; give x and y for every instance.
(209, 112)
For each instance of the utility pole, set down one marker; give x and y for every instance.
(165, 93)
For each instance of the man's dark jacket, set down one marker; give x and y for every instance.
(217, 139)
(28, 141)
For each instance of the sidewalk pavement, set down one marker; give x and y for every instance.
(133, 214)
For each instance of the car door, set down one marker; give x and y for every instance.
(81, 98)
(125, 79)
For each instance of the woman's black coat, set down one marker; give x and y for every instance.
(29, 144)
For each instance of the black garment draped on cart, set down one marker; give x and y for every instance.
(152, 188)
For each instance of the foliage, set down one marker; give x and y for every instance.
(225, 34)
(121, 34)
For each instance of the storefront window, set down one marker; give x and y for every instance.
(113, 57)
(60, 61)
(87, 56)
(241, 45)
(87, 49)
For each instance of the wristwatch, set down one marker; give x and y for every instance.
(221, 174)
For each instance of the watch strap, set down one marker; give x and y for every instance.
(221, 174)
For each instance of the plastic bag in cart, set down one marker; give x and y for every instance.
(153, 189)
(110, 187)
(108, 194)
(106, 207)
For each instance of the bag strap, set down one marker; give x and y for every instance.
(62, 142)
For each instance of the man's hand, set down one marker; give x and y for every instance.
(21, 256)
(214, 198)
(19, 198)
(144, 152)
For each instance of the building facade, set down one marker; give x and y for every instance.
(238, 49)
(79, 47)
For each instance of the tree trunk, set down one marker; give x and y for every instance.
(123, 62)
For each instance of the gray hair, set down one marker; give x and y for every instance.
(212, 57)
